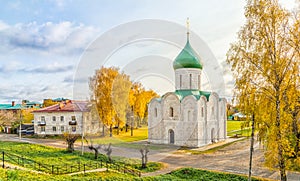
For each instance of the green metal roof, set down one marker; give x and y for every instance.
(10, 107)
(196, 93)
(187, 58)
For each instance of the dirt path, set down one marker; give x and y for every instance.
(233, 158)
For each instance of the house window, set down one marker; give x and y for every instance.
(190, 81)
(171, 112)
(155, 112)
(53, 118)
(54, 128)
(43, 129)
(73, 118)
(62, 128)
(202, 112)
(43, 118)
(73, 128)
(62, 118)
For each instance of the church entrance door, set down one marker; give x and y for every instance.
(213, 135)
(171, 136)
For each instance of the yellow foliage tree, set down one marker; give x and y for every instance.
(265, 63)
(101, 86)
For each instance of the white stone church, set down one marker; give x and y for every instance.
(189, 116)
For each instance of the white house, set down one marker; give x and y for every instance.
(188, 116)
(67, 116)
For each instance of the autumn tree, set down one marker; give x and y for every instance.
(139, 100)
(265, 64)
(7, 118)
(48, 102)
(120, 98)
(101, 86)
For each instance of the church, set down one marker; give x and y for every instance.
(189, 116)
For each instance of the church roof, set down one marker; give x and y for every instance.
(196, 93)
(187, 58)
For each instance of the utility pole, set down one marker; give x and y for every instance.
(82, 133)
(251, 147)
(20, 127)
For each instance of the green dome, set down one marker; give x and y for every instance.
(187, 58)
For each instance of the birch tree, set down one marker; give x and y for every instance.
(265, 58)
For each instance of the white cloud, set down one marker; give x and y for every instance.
(63, 38)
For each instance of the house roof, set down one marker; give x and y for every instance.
(66, 106)
(10, 107)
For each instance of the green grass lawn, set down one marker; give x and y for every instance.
(234, 128)
(188, 174)
(57, 157)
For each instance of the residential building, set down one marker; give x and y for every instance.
(70, 116)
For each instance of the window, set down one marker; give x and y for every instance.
(73, 128)
(180, 81)
(43, 129)
(189, 115)
(213, 112)
(202, 112)
(171, 112)
(190, 81)
(62, 128)
(62, 118)
(199, 82)
(53, 118)
(73, 118)
(155, 112)
(43, 118)
(54, 128)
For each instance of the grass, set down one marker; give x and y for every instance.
(57, 156)
(234, 128)
(125, 137)
(188, 174)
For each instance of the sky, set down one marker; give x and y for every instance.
(45, 44)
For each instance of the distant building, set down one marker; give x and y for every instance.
(15, 109)
(67, 116)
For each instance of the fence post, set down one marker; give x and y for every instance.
(83, 168)
(106, 166)
(52, 169)
(2, 159)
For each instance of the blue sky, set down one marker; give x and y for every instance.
(42, 42)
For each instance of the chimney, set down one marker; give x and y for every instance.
(12, 103)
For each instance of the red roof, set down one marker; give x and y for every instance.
(66, 106)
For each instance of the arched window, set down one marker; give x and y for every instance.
(212, 111)
(155, 112)
(171, 112)
(190, 115)
(202, 112)
(180, 81)
(199, 82)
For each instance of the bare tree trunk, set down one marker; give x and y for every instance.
(103, 129)
(281, 160)
(251, 147)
